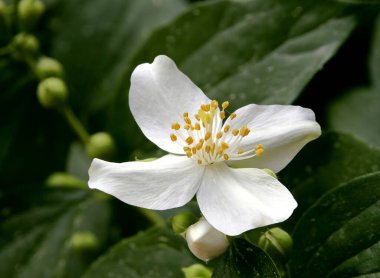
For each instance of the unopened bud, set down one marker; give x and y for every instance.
(197, 271)
(29, 11)
(100, 145)
(48, 67)
(277, 243)
(52, 92)
(24, 45)
(205, 242)
(60, 179)
(182, 221)
(84, 242)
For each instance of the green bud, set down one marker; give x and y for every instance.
(85, 241)
(182, 221)
(277, 243)
(197, 271)
(60, 179)
(100, 145)
(270, 172)
(29, 11)
(48, 67)
(24, 45)
(52, 92)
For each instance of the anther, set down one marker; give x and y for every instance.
(208, 135)
(189, 154)
(226, 128)
(222, 115)
(194, 150)
(240, 151)
(196, 116)
(259, 152)
(208, 149)
(244, 131)
(176, 126)
(186, 115)
(225, 156)
(199, 161)
(187, 127)
(233, 116)
(205, 107)
(189, 140)
(197, 126)
(219, 135)
(225, 104)
(214, 104)
(173, 137)
(186, 149)
(187, 120)
(224, 146)
(235, 132)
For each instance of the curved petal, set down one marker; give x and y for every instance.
(159, 95)
(282, 129)
(165, 183)
(237, 200)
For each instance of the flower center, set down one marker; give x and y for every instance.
(208, 138)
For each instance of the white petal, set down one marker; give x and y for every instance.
(159, 96)
(165, 183)
(237, 200)
(282, 129)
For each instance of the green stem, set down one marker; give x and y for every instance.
(75, 124)
(151, 216)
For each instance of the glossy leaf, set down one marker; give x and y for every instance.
(157, 252)
(245, 260)
(39, 228)
(339, 235)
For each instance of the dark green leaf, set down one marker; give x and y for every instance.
(154, 253)
(375, 55)
(39, 227)
(245, 260)
(94, 40)
(357, 113)
(339, 235)
(325, 163)
(360, 2)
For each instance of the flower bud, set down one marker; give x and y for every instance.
(205, 242)
(24, 45)
(277, 243)
(48, 67)
(52, 92)
(84, 242)
(197, 271)
(182, 221)
(100, 145)
(29, 11)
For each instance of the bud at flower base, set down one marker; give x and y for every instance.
(24, 45)
(100, 145)
(205, 242)
(29, 11)
(277, 243)
(48, 67)
(52, 92)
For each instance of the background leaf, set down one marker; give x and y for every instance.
(157, 252)
(37, 232)
(346, 246)
(329, 161)
(245, 260)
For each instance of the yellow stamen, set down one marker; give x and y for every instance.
(186, 115)
(222, 115)
(189, 154)
(226, 128)
(240, 151)
(200, 145)
(176, 126)
(212, 147)
(187, 120)
(187, 127)
(208, 135)
(197, 126)
(199, 161)
(189, 140)
(224, 146)
(186, 149)
(205, 107)
(244, 131)
(225, 104)
(197, 117)
(225, 156)
(259, 152)
(173, 137)
(235, 132)
(233, 116)
(259, 146)
(214, 104)
(208, 149)
(219, 135)
(194, 150)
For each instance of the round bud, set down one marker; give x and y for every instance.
(205, 242)
(52, 92)
(84, 242)
(48, 67)
(277, 243)
(29, 11)
(182, 221)
(24, 45)
(60, 179)
(100, 145)
(197, 271)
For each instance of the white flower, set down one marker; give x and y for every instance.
(206, 146)
(204, 241)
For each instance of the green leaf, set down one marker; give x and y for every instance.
(50, 233)
(339, 235)
(94, 40)
(360, 2)
(325, 163)
(157, 252)
(357, 113)
(251, 51)
(245, 260)
(375, 55)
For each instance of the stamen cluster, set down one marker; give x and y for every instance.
(207, 138)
